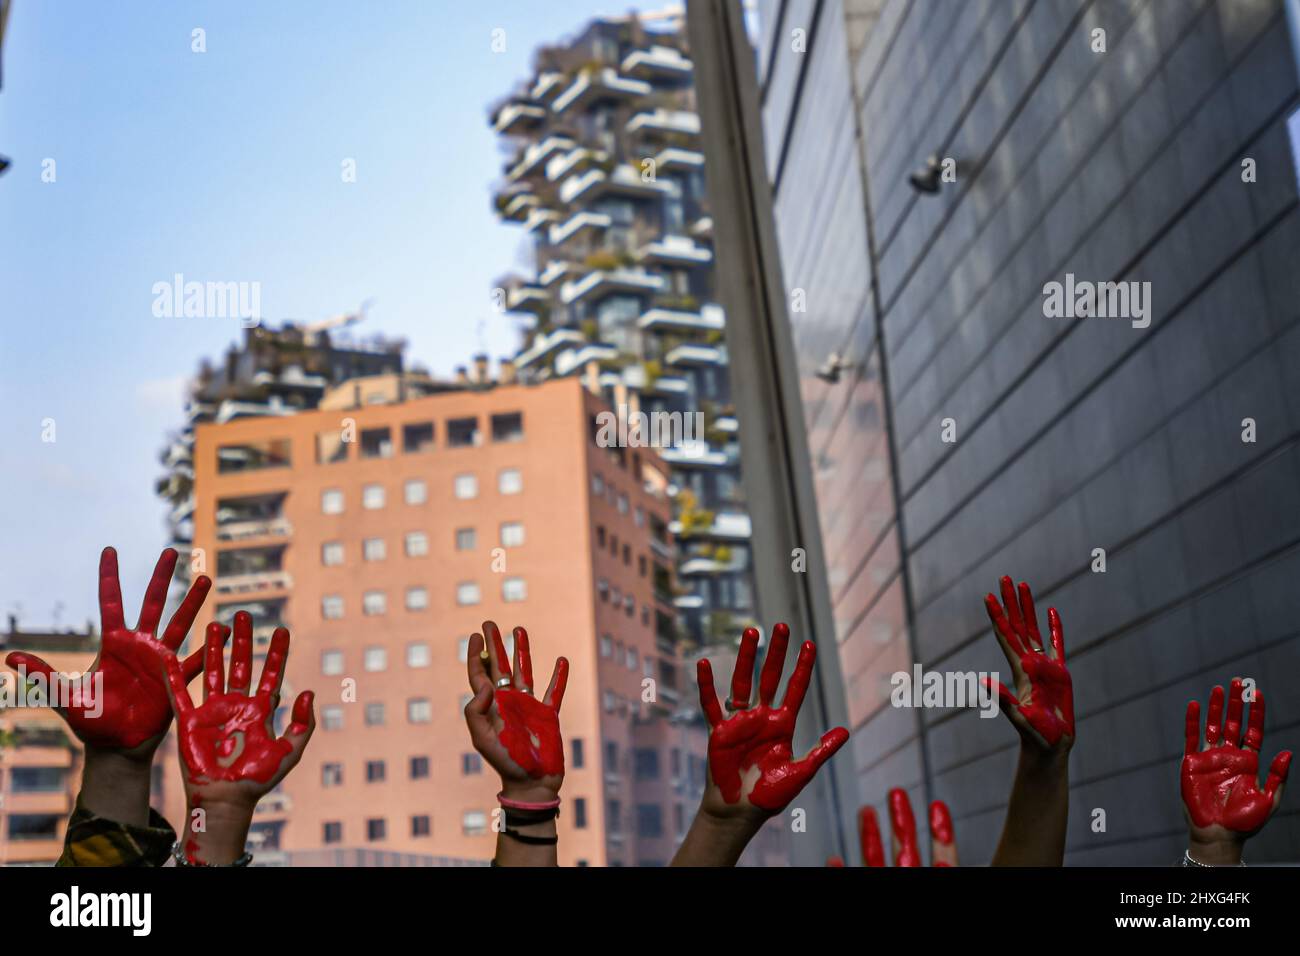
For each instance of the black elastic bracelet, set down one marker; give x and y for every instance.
(531, 840)
(527, 818)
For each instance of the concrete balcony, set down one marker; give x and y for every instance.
(518, 207)
(658, 61)
(577, 359)
(230, 410)
(183, 511)
(595, 85)
(544, 345)
(708, 319)
(698, 456)
(537, 218)
(254, 583)
(692, 354)
(725, 527)
(682, 122)
(555, 270)
(575, 224)
(264, 528)
(675, 157)
(599, 283)
(575, 159)
(624, 180)
(676, 250)
(532, 158)
(528, 298)
(514, 118)
(547, 87)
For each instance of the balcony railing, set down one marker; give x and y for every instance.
(262, 528)
(612, 280)
(514, 117)
(254, 582)
(657, 61)
(600, 84)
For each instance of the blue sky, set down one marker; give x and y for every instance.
(225, 166)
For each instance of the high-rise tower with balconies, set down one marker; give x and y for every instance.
(607, 179)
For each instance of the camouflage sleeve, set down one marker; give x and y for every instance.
(96, 841)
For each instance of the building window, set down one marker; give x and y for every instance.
(597, 484)
(512, 534)
(579, 754)
(417, 544)
(514, 589)
(611, 702)
(466, 539)
(331, 774)
(580, 813)
(510, 481)
(331, 502)
(613, 816)
(373, 549)
(331, 553)
(622, 504)
(466, 487)
(419, 710)
(640, 516)
(508, 427)
(331, 663)
(417, 599)
(376, 829)
(330, 448)
(374, 603)
(600, 536)
(375, 713)
(649, 820)
(471, 764)
(418, 654)
(331, 607)
(331, 718)
(645, 762)
(462, 433)
(416, 492)
(377, 443)
(372, 497)
(632, 659)
(606, 646)
(611, 756)
(417, 437)
(375, 771)
(332, 832)
(375, 659)
(462, 650)
(467, 593)
(419, 768)
(420, 825)
(473, 823)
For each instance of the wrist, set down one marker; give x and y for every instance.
(216, 832)
(1226, 852)
(1047, 763)
(532, 791)
(116, 786)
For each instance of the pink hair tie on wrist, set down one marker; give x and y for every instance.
(523, 805)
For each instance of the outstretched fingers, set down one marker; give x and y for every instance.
(1192, 728)
(110, 594)
(805, 769)
(1214, 721)
(801, 678)
(155, 595)
(1255, 730)
(1232, 727)
(559, 680)
(1058, 635)
(176, 686)
(873, 850)
(1277, 773)
(241, 654)
(273, 668)
(498, 661)
(708, 696)
(523, 661)
(773, 664)
(742, 678)
(1008, 639)
(302, 726)
(193, 665)
(477, 664)
(214, 664)
(179, 626)
(1029, 616)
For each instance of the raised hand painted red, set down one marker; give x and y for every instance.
(750, 753)
(1220, 783)
(903, 823)
(1046, 696)
(512, 718)
(941, 832)
(873, 850)
(135, 710)
(229, 737)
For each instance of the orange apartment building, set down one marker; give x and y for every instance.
(382, 530)
(40, 761)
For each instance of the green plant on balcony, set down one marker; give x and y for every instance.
(713, 337)
(602, 260)
(722, 554)
(716, 436)
(653, 370)
(590, 329)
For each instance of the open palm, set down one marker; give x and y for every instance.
(134, 711)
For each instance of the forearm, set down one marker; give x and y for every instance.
(1034, 832)
(216, 834)
(512, 851)
(715, 841)
(116, 787)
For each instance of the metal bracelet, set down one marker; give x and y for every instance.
(182, 860)
(1188, 861)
